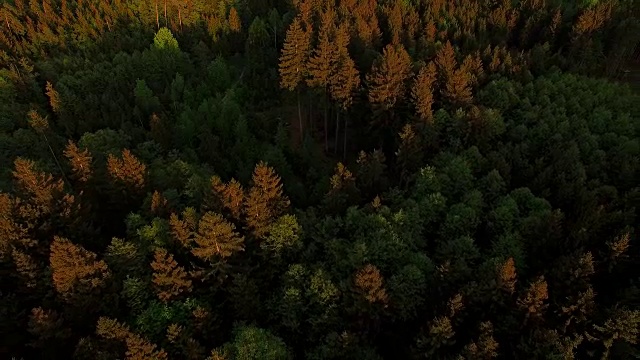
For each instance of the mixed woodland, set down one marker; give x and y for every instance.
(319, 179)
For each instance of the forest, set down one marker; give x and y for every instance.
(319, 179)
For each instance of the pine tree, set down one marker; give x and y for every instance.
(159, 204)
(234, 20)
(293, 61)
(422, 92)
(183, 230)
(265, 201)
(507, 276)
(368, 283)
(532, 301)
(127, 171)
(446, 60)
(76, 272)
(323, 59)
(54, 98)
(458, 88)
(81, 162)
(169, 278)
(216, 239)
(386, 82)
(41, 194)
(137, 347)
(228, 197)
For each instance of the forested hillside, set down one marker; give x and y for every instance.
(319, 179)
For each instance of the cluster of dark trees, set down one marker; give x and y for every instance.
(318, 179)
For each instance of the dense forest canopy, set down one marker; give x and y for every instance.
(319, 179)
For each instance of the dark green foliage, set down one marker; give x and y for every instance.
(501, 225)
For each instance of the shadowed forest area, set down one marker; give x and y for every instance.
(319, 179)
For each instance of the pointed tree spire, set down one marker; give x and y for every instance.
(322, 62)
(422, 92)
(293, 60)
(265, 201)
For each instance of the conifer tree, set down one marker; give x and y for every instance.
(293, 61)
(76, 272)
(422, 92)
(532, 301)
(169, 278)
(446, 60)
(137, 347)
(345, 81)
(386, 82)
(127, 171)
(183, 230)
(323, 61)
(227, 197)
(458, 88)
(368, 283)
(54, 98)
(234, 20)
(216, 239)
(265, 201)
(41, 194)
(81, 162)
(159, 204)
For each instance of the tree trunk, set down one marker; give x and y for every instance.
(344, 150)
(180, 17)
(326, 127)
(335, 149)
(56, 159)
(166, 21)
(157, 16)
(309, 122)
(300, 117)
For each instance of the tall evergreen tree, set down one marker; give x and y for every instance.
(293, 61)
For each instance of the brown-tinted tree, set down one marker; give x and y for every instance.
(40, 193)
(183, 230)
(423, 90)
(293, 61)
(368, 283)
(323, 61)
(345, 81)
(80, 161)
(76, 272)
(169, 278)
(228, 198)
(137, 347)
(265, 201)
(386, 82)
(127, 171)
(235, 25)
(532, 302)
(216, 239)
